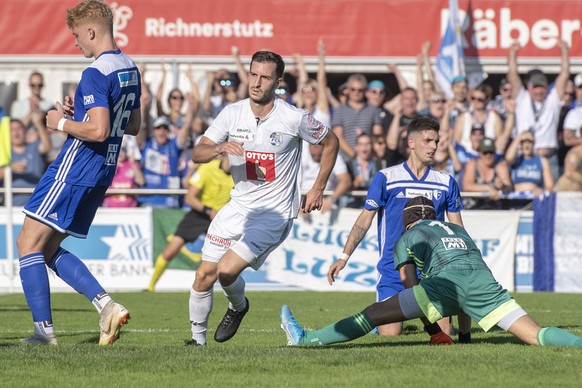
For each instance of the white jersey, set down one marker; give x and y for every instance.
(266, 177)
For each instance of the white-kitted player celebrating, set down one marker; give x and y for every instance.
(262, 136)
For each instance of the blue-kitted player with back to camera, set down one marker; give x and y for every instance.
(454, 278)
(106, 105)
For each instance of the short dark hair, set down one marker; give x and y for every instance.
(423, 124)
(270, 57)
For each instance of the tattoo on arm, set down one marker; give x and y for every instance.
(356, 235)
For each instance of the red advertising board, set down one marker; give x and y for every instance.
(349, 28)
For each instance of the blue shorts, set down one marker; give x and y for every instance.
(64, 207)
(389, 284)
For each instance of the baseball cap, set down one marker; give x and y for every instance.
(486, 145)
(418, 208)
(458, 78)
(578, 80)
(535, 77)
(162, 120)
(376, 84)
(477, 128)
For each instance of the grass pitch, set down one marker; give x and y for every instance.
(150, 352)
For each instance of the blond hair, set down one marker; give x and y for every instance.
(94, 11)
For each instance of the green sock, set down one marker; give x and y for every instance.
(341, 331)
(552, 336)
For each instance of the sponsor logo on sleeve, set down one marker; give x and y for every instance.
(372, 203)
(315, 126)
(128, 78)
(87, 100)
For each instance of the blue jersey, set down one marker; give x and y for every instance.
(391, 188)
(528, 171)
(112, 81)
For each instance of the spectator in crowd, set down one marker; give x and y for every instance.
(128, 175)
(355, 117)
(445, 158)
(380, 152)
(339, 180)
(498, 104)
(389, 191)
(208, 191)
(160, 163)
(396, 140)
(176, 100)
(460, 89)
(28, 158)
(571, 179)
(487, 175)
(25, 108)
(342, 95)
(312, 94)
(478, 116)
(376, 96)
(224, 89)
(362, 168)
(426, 85)
(573, 120)
(538, 109)
(530, 173)
(455, 279)
(569, 103)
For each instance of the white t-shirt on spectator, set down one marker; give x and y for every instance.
(546, 125)
(310, 169)
(573, 120)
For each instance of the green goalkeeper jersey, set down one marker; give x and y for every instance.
(436, 246)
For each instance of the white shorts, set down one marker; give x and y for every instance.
(252, 238)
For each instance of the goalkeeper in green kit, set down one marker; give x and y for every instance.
(454, 278)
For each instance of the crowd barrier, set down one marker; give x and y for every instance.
(123, 243)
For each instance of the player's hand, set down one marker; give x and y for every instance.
(69, 106)
(441, 338)
(231, 148)
(53, 116)
(313, 200)
(335, 269)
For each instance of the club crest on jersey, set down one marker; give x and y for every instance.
(276, 138)
(88, 99)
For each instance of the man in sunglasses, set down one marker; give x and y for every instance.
(25, 108)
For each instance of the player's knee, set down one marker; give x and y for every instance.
(204, 280)
(226, 277)
(390, 330)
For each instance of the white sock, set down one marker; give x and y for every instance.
(200, 307)
(101, 300)
(235, 293)
(44, 329)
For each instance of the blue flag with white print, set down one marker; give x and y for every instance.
(450, 59)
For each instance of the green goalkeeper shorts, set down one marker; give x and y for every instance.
(475, 292)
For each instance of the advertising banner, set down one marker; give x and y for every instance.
(349, 28)
(117, 249)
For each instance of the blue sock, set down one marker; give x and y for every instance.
(75, 273)
(35, 283)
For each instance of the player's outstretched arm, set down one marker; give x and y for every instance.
(206, 150)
